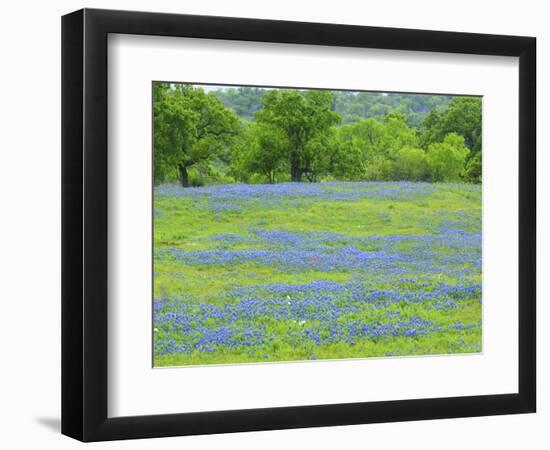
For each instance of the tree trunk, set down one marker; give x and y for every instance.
(184, 176)
(295, 173)
(295, 170)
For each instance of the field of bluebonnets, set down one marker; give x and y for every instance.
(304, 271)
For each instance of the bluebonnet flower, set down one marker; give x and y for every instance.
(386, 274)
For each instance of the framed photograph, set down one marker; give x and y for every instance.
(273, 225)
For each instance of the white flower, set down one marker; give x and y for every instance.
(302, 322)
(155, 330)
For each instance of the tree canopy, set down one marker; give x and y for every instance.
(257, 135)
(302, 117)
(190, 128)
(351, 105)
(463, 117)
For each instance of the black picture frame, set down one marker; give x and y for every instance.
(84, 224)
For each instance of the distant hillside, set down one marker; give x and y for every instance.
(352, 106)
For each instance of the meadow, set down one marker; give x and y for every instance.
(303, 271)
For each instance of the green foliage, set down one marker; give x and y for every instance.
(352, 106)
(446, 159)
(346, 154)
(245, 101)
(301, 116)
(174, 131)
(213, 172)
(190, 128)
(472, 172)
(319, 154)
(462, 116)
(378, 168)
(262, 150)
(296, 135)
(397, 134)
(355, 106)
(410, 164)
(375, 145)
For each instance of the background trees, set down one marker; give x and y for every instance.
(463, 117)
(302, 117)
(262, 149)
(352, 106)
(174, 131)
(411, 164)
(446, 159)
(190, 128)
(258, 135)
(245, 101)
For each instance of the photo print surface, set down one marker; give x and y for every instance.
(314, 224)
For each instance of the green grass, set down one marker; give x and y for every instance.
(414, 238)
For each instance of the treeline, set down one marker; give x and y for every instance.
(351, 105)
(354, 106)
(300, 136)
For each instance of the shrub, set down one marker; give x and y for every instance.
(472, 173)
(446, 159)
(410, 164)
(378, 169)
